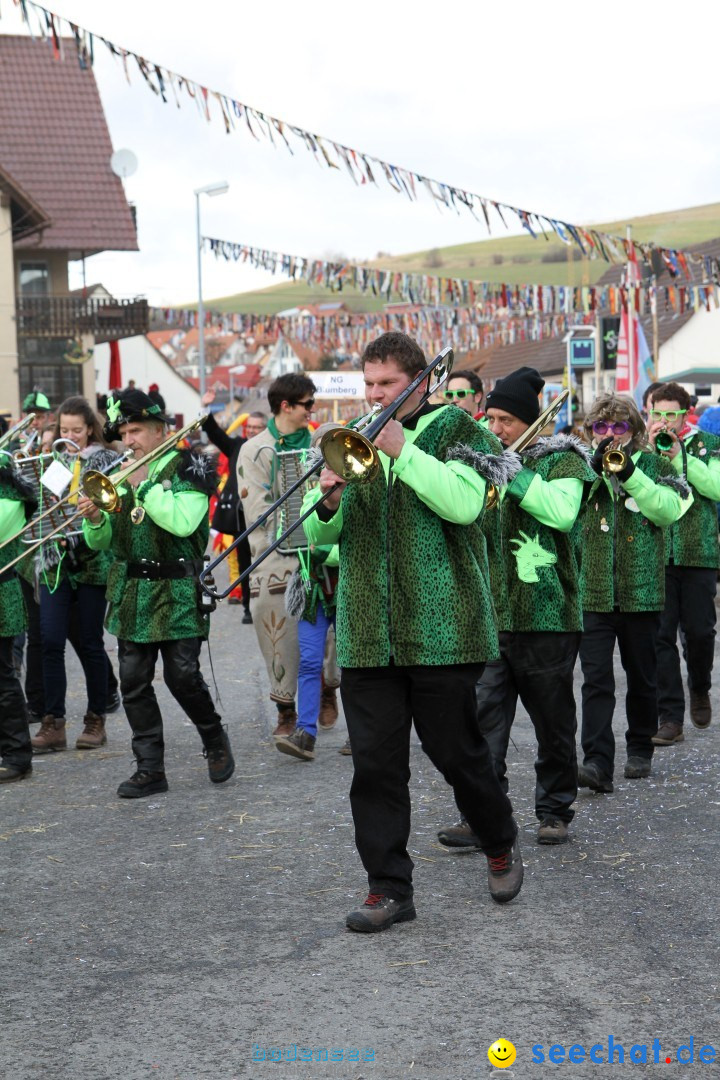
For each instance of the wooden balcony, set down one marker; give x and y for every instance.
(108, 319)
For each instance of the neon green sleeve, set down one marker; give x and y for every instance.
(453, 491)
(98, 537)
(659, 503)
(178, 513)
(704, 476)
(321, 533)
(12, 517)
(555, 503)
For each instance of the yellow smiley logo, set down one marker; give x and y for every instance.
(501, 1054)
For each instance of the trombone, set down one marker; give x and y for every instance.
(102, 491)
(16, 429)
(349, 452)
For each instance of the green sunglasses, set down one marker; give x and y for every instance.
(669, 415)
(450, 395)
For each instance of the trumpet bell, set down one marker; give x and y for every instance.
(664, 442)
(350, 455)
(100, 490)
(614, 461)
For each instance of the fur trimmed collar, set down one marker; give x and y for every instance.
(558, 444)
(677, 483)
(497, 469)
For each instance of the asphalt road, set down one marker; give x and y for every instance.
(184, 935)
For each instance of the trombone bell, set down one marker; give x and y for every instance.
(101, 491)
(350, 455)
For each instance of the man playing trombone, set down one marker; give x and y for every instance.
(409, 537)
(158, 536)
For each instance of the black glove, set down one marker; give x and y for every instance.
(629, 469)
(597, 459)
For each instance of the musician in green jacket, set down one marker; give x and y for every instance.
(16, 506)
(415, 626)
(691, 566)
(158, 538)
(623, 584)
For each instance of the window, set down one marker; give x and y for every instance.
(42, 364)
(34, 279)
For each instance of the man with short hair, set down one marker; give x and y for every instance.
(692, 558)
(291, 402)
(465, 389)
(534, 553)
(158, 538)
(407, 535)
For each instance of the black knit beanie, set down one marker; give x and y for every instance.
(518, 394)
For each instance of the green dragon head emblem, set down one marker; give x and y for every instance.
(530, 556)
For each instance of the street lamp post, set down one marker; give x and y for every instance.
(210, 189)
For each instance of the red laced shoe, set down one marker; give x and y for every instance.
(379, 912)
(505, 874)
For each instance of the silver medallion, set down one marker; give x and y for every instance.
(137, 514)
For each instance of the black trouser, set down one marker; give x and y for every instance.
(690, 607)
(537, 668)
(381, 704)
(15, 748)
(34, 682)
(244, 560)
(183, 678)
(88, 601)
(636, 635)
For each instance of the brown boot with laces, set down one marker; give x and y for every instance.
(328, 708)
(93, 735)
(51, 735)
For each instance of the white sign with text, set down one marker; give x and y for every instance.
(339, 384)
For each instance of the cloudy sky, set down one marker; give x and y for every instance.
(587, 113)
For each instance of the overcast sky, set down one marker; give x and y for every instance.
(587, 113)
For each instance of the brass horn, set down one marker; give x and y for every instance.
(614, 460)
(527, 437)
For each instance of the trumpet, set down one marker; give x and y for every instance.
(103, 492)
(614, 460)
(664, 441)
(349, 452)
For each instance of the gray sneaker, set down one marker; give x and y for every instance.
(299, 745)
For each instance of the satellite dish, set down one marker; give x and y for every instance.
(123, 163)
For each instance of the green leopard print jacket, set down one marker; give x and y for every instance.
(542, 564)
(414, 587)
(693, 540)
(13, 619)
(623, 563)
(166, 610)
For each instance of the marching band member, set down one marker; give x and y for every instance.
(692, 558)
(72, 580)
(407, 536)
(291, 402)
(623, 584)
(158, 539)
(16, 505)
(540, 620)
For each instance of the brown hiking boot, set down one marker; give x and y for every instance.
(93, 734)
(51, 735)
(379, 912)
(459, 836)
(668, 733)
(328, 708)
(287, 721)
(505, 874)
(552, 831)
(346, 748)
(700, 711)
(300, 745)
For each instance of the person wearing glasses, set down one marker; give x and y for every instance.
(291, 402)
(691, 565)
(532, 535)
(623, 586)
(465, 389)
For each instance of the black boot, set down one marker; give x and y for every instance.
(221, 763)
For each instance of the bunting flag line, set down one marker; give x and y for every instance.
(492, 299)
(349, 332)
(362, 167)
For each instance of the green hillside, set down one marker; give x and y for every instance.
(512, 259)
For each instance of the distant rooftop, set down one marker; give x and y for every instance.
(55, 144)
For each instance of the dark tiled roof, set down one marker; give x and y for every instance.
(55, 142)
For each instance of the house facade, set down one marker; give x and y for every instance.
(59, 202)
